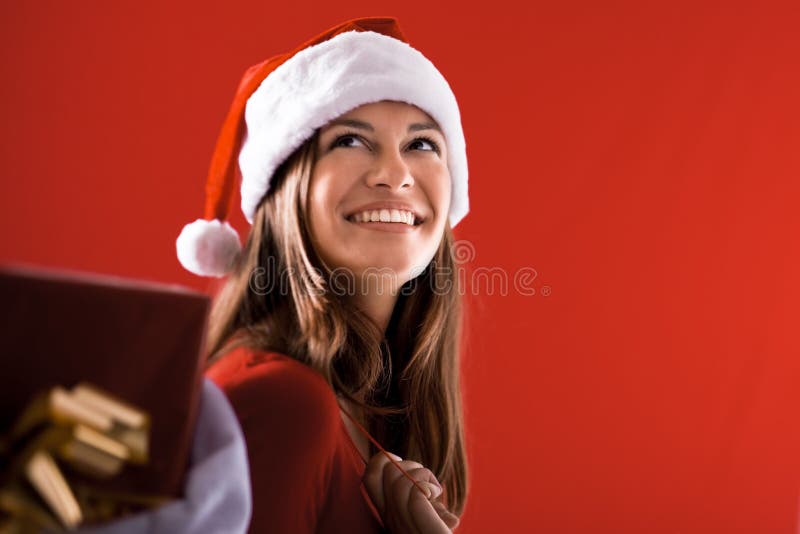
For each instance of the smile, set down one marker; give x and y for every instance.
(395, 227)
(386, 215)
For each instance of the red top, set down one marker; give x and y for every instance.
(305, 470)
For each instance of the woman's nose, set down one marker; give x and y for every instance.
(391, 171)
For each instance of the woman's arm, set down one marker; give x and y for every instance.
(289, 420)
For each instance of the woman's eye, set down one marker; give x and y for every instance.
(348, 140)
(424, 144)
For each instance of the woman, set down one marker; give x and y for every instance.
(336, 333)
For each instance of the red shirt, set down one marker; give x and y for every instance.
(305, 470)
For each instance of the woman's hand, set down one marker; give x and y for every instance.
(402, 506)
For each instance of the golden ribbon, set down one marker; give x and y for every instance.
(87, 431)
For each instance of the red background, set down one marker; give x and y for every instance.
(643, 159)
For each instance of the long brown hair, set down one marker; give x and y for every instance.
(279, 298)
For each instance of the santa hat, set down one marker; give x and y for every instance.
(282, 101)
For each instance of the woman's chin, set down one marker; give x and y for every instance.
(387, 277)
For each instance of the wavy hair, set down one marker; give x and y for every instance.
(281, 298)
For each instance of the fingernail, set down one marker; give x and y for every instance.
(427, 492)
(395, 456)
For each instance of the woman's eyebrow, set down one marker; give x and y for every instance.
(353, 123)
(424, 126)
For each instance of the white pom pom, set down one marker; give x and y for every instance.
(208, 248)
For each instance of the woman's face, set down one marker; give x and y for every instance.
(374, 158)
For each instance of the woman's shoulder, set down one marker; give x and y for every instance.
(258, 381)
(292, 429)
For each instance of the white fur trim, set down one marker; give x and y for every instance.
(329, 79)
(208, 248)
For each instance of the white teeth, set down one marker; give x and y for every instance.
(385, 215)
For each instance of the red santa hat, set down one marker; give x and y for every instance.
(282, 101)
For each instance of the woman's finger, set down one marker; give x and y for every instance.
(375, 476)
(396, 487)
(421, 475)
(391, 471)
(450, 519)
(399, 489)
(373, 483)
(425, 519)
(373, 479)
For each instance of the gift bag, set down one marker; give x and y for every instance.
(100, 389)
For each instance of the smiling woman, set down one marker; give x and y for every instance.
(353, 167)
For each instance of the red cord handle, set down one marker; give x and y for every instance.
(389, 456)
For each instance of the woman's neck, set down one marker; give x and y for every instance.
(378, 307)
